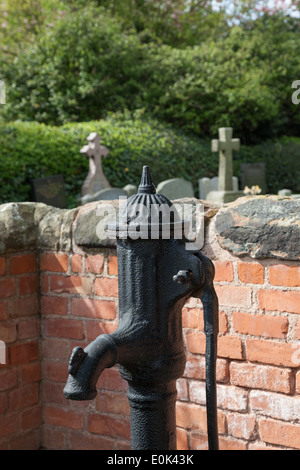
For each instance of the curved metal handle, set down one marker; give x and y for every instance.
(209, 300)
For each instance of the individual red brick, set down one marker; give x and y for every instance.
(192, 318)
(93, 308)
(195, 368)
(28, 328)
(109, 426)
(275, 405)
(23, 353)
(56, 371)
(23, 397)
(8, 379)
(71, 284)
(281, 275)
(22, 264)
(232, 398)
(112, 265)
(3, 310)
(260, 325)
(270, 352)
(29, 284)
(112, 403)
(52, 393)
(51, 305)
(30, 373)
(234, 296)
(94, 329)
(230, 346)
(29, 440)
(251, 273)
(76, 263)
(182, 439)
(27, 306)
(241, 426)
(7, 287)
(54, 262)
(110, 379)
(230, 443)
(223, 271)
(55, 347)
(182, 389)
(61, 417)
(195, 341)
(198, 441)
(280, 433)
(191, 416)
(261, 377)
(53, 438)
(106, 287)
(9, 424)
(63, 328)
(2, 266)
(94, 264)
(280, 301)
(3, 406)
(8, 332)
(31, 418)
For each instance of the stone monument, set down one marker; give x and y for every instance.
(225, 145)
(206, 185)
(94, 151)
(175, 188)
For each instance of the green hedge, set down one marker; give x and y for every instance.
(32, 150)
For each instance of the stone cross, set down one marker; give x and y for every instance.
(95, 180)
(225, 145)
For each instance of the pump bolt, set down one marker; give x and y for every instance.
(183, 276)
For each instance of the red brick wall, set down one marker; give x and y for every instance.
(20, 376)
(258, 368)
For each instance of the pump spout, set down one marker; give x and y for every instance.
(86, 365)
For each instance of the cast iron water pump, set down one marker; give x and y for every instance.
(157, 275)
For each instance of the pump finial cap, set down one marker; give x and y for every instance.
(146, 186)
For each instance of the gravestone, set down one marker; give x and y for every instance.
(94, 151)
(175, 188)
(108, 194)
(130, 189)
(225, 145)
(211, 184)
(253, 174)
(50, 190)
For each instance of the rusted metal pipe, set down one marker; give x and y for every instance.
(157, 275)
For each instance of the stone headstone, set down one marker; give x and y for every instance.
(94, 151)
(206, 185)
(225, 145)
(108, 194)
(253, 174)
(50, 190)
(175, 188)
(130, 189)
(285, 192)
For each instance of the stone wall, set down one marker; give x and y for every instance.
(59, 289)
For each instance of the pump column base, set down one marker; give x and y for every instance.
(152, 416)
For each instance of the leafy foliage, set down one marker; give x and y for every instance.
(242, 80)
(32, 150)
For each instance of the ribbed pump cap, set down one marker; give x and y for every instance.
(149, 214)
